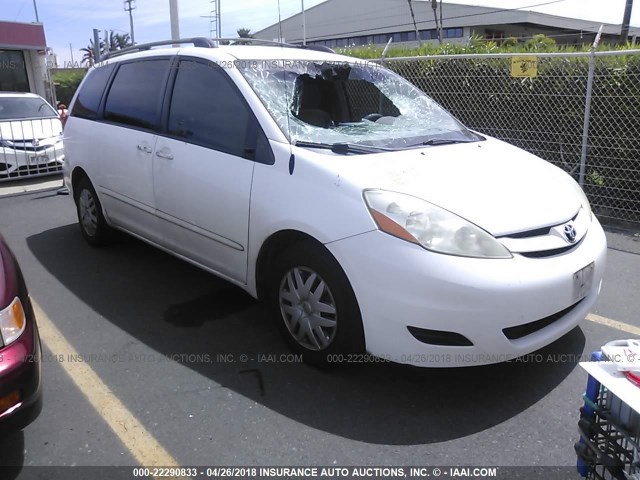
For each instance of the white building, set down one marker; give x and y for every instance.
(339, 23)
(23, 60)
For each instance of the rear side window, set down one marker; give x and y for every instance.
(207, 109)
(136, 94)
(89, 96)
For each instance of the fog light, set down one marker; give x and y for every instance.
(9, 401)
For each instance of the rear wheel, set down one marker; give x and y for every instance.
(314, 305)
(93, 226)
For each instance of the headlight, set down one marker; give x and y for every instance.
(584, 201)
(435, 228)
(7, 143)
(12, 322)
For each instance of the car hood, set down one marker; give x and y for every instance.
(494, 185)
(40, 128)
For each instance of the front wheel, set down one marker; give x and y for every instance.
(314, 305)
(93, 225)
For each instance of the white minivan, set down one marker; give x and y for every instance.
(374, 224)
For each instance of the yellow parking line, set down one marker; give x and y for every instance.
(142, 445)
(625, 327)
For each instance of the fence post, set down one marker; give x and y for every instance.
(587, 108)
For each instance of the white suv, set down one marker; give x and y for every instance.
(367, 217)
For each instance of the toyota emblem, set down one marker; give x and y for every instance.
(35, 142)
(570, 233)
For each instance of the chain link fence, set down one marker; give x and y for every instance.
(580, 111)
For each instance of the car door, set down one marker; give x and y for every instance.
(128, 136)
(203, 168)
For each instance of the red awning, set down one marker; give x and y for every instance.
(27, 36)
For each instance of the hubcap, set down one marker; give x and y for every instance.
(308, 308)
(88, 212)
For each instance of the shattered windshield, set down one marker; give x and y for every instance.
(354, 103)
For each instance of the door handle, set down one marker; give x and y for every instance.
(164, 153)
(144, 148)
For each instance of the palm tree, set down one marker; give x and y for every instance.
(117, 41)
(122, 40)
(244, 33)
(88, 57)
(434, 6)
(415, 25)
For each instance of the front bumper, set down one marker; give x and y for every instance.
(17, 162)
(21, 370)
(400, 285)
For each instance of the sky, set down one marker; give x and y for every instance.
(72, 21)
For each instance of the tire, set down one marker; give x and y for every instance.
(318, 317)
(93, 226)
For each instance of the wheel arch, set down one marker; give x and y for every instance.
(77, 175)
(273, 246)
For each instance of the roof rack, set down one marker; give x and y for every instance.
(196, 41)
(210, 43)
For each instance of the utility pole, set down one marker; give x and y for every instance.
(130, 6)
(304, 25)
(96, 46)
(219, 17)
(71, 51)
(624, 32)
(175, 20)
(35, 7)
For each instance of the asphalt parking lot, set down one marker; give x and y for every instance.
(185, 368)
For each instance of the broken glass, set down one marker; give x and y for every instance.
(356, 103)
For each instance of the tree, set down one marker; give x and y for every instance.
(245, 33)
(88, 56)
(117, 41)
(415, 25)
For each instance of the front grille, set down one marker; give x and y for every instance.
(30, 148)
(547, 253)
(551, 253)
(520, 331)
(538, 232)
(439, 337)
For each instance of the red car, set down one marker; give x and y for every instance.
(20, 350)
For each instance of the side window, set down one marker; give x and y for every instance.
(135, 96)
(206, 109)
(89, 96)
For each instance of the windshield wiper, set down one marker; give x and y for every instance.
(444, 141)
(342, 148)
